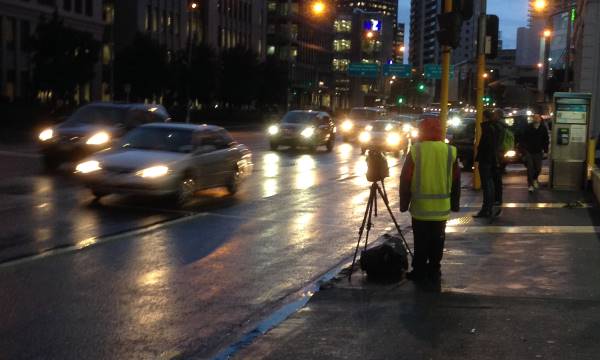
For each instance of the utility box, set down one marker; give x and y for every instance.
(569, 140)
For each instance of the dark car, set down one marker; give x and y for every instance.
(358, 118)
(94, 127)
(303, 128)
(461, 133)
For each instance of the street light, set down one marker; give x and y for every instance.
(318, 7)
(540, 5)
(370, 34)
(402, 48)
(194, 5)
(547, 33)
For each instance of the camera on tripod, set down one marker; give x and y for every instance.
(377, 166)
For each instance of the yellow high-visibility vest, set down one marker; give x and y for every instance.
(431, 185)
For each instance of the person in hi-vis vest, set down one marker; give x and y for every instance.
(430, 190)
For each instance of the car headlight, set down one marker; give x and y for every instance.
(273, 130)
(389, 127)
(347, 125)
(308, 132)
(99, 138)
(364, 137)
(393, 139)
(414, 134)
(455, 121)
(369, 128)
(407, 128)
(87, 167)
(510, 154)
(153, 172)
(46, 135)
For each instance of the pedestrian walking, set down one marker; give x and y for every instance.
(489, 155)
(430, 190)
(534, 144)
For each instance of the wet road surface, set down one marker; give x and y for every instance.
(137, 278)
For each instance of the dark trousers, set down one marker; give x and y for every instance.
(491, 184)
(429, 245)
(534, 167)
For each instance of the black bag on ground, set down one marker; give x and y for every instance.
(387, 261)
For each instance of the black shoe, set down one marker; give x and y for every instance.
(482, 214)
(416, 276)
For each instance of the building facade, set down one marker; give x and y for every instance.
(304, 41)
(424, 47)
(222, 24)
(365, 32)
(18, 20)
(399, 45)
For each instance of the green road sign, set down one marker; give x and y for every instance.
(363, 70)
(434, 71)
(398, 70)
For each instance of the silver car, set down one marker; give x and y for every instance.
(168, 159)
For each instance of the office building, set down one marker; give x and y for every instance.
(424, 48)
(399, 45)
(304, 40)
(18, 21)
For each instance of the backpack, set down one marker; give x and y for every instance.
(507, 140)
(385, 262)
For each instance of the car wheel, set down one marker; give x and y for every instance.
(186, 189)
(51, 163)
(330, 144)
(274, 146)
(234, 184)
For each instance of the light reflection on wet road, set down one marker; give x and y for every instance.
(185, 288)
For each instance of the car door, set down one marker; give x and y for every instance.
(210, 159)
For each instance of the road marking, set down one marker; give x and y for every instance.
(558, 205)
(95, 241)
(523, 229)
(20, 154)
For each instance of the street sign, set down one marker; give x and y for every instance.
(363, 70)
(398, 70)
(434, 71)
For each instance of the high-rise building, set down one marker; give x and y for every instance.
(18, 20)
(304, 40)
(175, 24)
(467, 50)
(364, 32)
(399, 45)
(424, 48)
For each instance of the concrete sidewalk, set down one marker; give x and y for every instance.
(526, 287)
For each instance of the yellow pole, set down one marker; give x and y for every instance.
(591, 158)
(480, 90)
(446, 51)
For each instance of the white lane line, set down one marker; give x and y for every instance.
(94, 241)
(523, 229)
(557, 205)
(20, 154)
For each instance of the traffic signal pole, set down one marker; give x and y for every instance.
(480, 88)
(446, 52)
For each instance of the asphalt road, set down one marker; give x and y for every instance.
(136, 278)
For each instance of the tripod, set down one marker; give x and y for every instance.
(368, 223)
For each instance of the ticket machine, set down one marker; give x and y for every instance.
(569, 140)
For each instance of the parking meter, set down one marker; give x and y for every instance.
(569, 140)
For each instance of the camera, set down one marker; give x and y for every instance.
(377, 166)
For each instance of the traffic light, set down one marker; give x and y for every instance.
(450, 29)
(421, 87)
(463, 7)
(491, 34)
(400, 100)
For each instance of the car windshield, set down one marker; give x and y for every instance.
(384, 126)
(97, 115)
(159, 139)
(298, 117)
(364, 114)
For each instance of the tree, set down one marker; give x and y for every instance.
(239, 76)
(274, 86)
(62, 58)
(143, 66)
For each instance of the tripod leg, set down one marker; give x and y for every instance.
(387, 204)
(367, 215)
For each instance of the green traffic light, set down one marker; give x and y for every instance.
(400, 100)
(421, 87)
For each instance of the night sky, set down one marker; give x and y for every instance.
(512, 13)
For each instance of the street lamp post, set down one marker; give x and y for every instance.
(193, 6)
